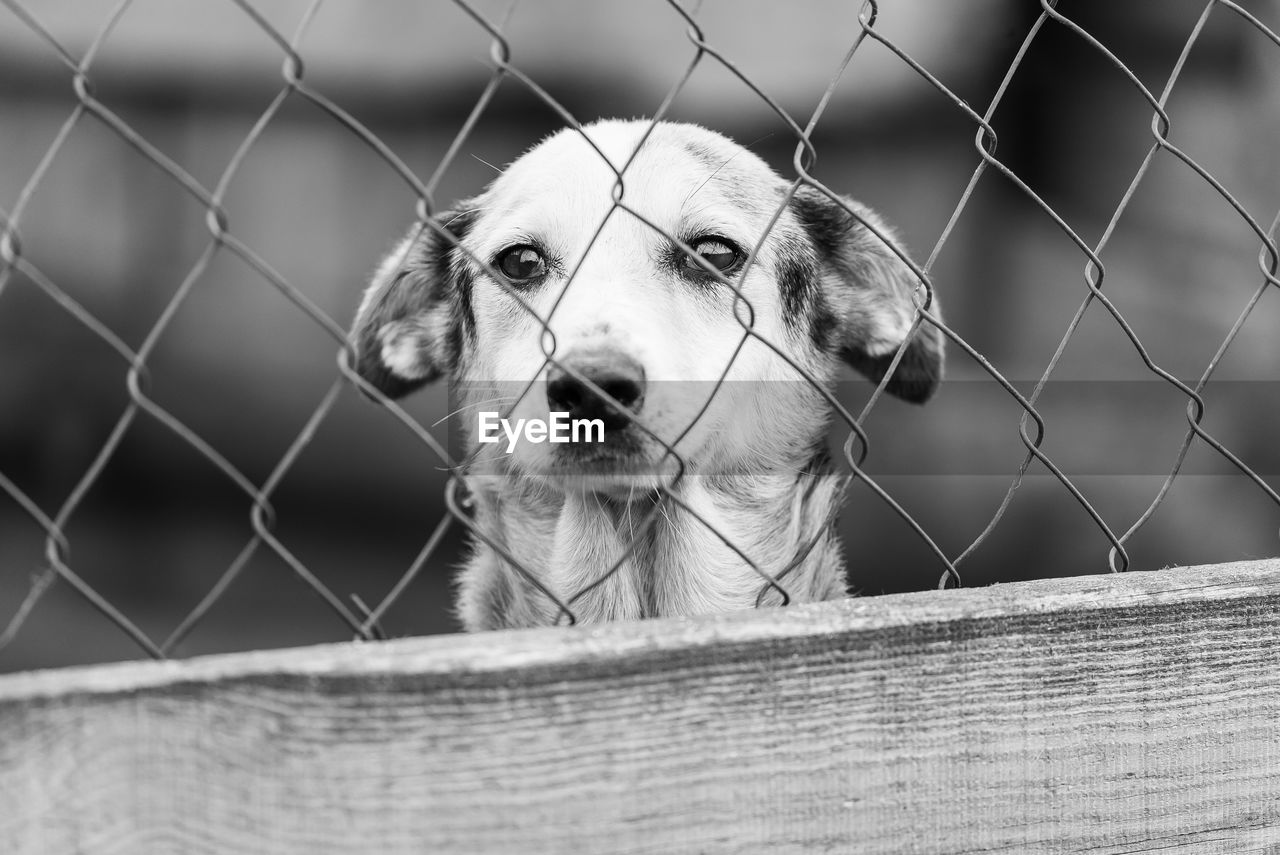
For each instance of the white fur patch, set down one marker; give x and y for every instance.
(401, 352)
(889, 328)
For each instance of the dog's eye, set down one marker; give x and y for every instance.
(718, 252)
(521, 264)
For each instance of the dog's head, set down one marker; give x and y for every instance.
(540, 263)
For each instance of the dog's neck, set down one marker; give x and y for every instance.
(687, 553)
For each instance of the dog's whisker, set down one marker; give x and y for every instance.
(734, 156)
(505, 399)
(487, 163)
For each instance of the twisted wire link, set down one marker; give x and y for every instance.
(364, 622)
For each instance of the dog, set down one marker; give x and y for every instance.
(672, 330)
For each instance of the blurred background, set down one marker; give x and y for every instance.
(244, 368)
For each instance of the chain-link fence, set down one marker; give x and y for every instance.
(993, 165)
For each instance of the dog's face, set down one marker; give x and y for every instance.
(539, 261)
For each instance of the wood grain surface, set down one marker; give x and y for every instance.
(1131, 713)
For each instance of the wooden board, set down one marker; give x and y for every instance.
(1133, 713)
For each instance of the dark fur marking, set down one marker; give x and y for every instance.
(461, 282)
(838, 239)
(707, 156)
(434, 277)
(827, 224)
(453, 260)
(730, 183)
(370, 367)
(796, 283)
(824, 326)
(918, 373)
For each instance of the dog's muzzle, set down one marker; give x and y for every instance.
(614, 373)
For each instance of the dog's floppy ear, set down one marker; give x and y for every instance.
(409, 328)
(869, 294)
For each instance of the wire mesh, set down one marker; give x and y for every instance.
(364, 621)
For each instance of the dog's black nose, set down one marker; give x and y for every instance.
(616, 374)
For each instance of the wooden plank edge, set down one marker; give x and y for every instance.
(568, 646)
